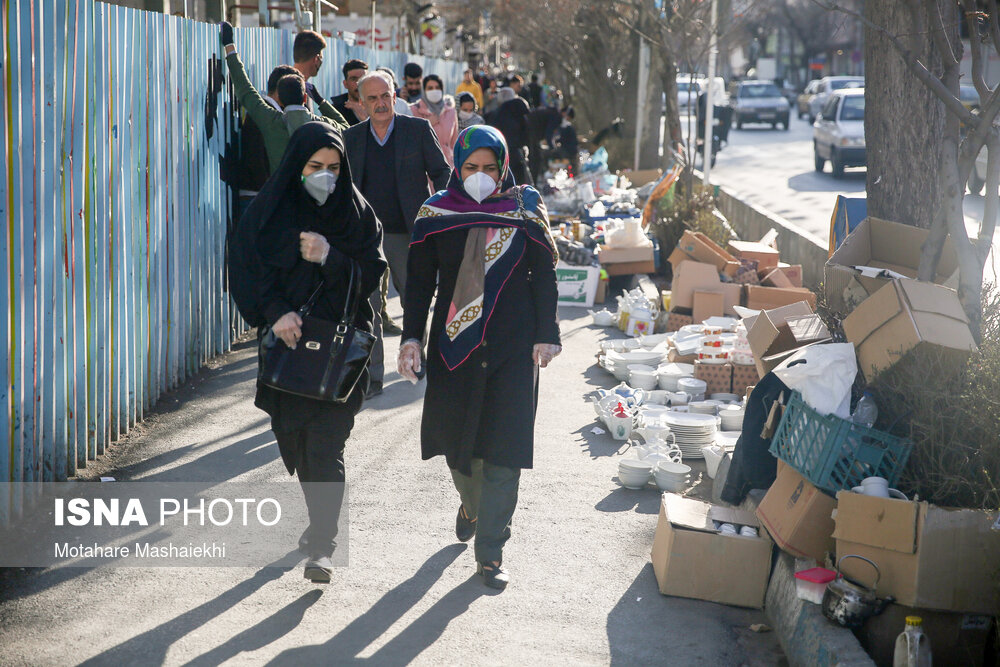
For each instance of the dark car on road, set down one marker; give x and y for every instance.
(759, 102)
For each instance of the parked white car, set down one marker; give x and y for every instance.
(687, 94)
(826, 86)
(839, 132)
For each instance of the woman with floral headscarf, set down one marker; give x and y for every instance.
(484, 245)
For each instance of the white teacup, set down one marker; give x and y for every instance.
(877, 489)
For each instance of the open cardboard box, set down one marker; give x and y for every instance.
(797, 515)
(903, 315)
(691, 277)
(929, 556)
(694, 560)
(701, 248)
(776, 334)
(766, 256)
(762, 297)
(881, 244)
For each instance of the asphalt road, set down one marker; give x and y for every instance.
(583, 589)
(774, 170)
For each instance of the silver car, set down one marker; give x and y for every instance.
(839, 132)
(826, 86)
(759, 102)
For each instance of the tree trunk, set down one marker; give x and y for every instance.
(904, 120)
(649, 151)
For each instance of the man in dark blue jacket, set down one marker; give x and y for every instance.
(392, 158)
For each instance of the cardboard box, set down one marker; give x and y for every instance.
(793, 272)
(776, 334)
(676, 320)
(708, 304)
(956, 639)
(717, 377)
(776, 278)
(881, 244)
(929, 557)
(642, 253)
(690, 277)
(744, 376)
(903, 315)
(759, 297)
(692, 559)
(703, 249)
(577, 284)
(798, 516)
(766, 256)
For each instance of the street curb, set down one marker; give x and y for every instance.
(806, 636)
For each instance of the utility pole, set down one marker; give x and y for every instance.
(713, 52)
(371, 38)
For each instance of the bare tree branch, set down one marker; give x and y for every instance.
(913, 63)
(935, 24)
(994, 23)
(976, 46)
(987, 226)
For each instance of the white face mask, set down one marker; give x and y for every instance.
(479, 186)
(434, 96)
(464, 115)
(320, 184)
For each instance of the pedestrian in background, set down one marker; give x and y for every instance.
(276, 121)
(413, 80)
(307, 52)
(439, 110)
(467, 108)
(542, 125)
(491, 98)
(483, 246)
(304, 230)
(471, 86)
(348, 103)
(402, 108)
(568, 142)
(392, 160)
(511, 118)
(534, 92)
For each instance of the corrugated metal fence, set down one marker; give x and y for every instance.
(117, 132)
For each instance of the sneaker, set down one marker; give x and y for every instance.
(493, 576)
(319, 570)
(374, 389)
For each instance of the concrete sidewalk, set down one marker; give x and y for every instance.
(583, 590)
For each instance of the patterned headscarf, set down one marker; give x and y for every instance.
(500, 227)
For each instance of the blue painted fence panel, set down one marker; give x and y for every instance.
(113, 125)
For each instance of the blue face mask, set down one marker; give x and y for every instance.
(320, 184)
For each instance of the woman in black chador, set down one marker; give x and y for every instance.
(306, 227)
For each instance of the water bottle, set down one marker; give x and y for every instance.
(913, 649)
(866, 412)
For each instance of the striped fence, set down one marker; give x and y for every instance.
(118, 129)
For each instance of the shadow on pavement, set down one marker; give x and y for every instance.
(347, 644)
(261, 634)
(396, 392)
(812, 181)
(151, 647)
(600, 445)
(642, 501)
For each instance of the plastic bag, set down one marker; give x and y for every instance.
(823, 374)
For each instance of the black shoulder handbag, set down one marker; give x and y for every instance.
(330, 356)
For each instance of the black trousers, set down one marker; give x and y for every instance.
(317, 447)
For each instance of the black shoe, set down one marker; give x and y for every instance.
(319, 570)
(389, 326)
(465, 527)
(493, 575)
(374, 389)
(304, 542)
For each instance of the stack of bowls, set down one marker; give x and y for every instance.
(633, 473)
(670, 374)
(732, 417)
(671, 476)
(693, 388)
(641, 376)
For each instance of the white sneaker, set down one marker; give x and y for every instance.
(319, 570)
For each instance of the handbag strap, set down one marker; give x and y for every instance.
(308, 305)
(353, 295)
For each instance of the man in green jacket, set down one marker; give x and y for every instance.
(275, 126)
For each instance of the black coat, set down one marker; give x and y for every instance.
(419, 158)
(485, 408)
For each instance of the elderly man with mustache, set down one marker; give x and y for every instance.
(393, 160)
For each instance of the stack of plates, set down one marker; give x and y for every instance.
(692, 431)
(726, 398)
(732, 417)
(692, 387)
(709, 407)
(633, 473)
